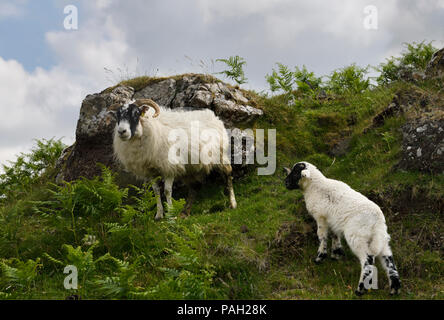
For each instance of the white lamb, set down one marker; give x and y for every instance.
(336, 206)
(142, 144)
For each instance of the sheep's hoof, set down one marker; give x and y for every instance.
(394, 292)
(361, 289)
(395, 286)
(337, 254)
(359, 293)
(320, 257)
(158, 216)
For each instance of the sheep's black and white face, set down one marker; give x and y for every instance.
(294, 175)
(128, 121)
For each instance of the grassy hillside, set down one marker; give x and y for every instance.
(264, 249)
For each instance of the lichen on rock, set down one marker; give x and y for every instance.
(435, 67)
(423, 145)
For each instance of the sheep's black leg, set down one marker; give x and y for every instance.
(392, 273)
(336, 248)
(323, 237)
(366, 279)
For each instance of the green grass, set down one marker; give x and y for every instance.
(264, 249)
(141, 82)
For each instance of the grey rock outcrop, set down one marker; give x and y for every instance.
(435, 68)
(423, 145)
(229, 103)
(423, 132)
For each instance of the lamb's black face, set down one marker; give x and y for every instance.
(127, 121)
(293, 177)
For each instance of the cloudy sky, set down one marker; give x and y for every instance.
(46, 70)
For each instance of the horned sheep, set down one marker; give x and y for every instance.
(143, 144)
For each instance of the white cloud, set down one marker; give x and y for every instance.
(9, 153)
(141, 36)
(41, 104)
(102, 4)
(285, 20)
(97, 44)
(10, 9)
(45, 103)
(219, 10)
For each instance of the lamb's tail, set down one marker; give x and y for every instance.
(380, 239)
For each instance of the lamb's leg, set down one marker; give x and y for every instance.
(323, 237)
(359, 244)
(388, 264)
(336, 247)
(367, 271)
(169, 190)
(156, 189)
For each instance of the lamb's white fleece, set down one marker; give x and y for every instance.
(336, 206)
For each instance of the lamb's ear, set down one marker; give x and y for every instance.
(286, 170)
(305, 173)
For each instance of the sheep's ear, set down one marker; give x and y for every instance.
(143, 109)
(286, 170)
(305, 174)
(112, 113)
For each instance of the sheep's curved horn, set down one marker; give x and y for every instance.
(150, 103)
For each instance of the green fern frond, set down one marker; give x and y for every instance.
(235, 71)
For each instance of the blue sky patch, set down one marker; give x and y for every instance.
(22, 37)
